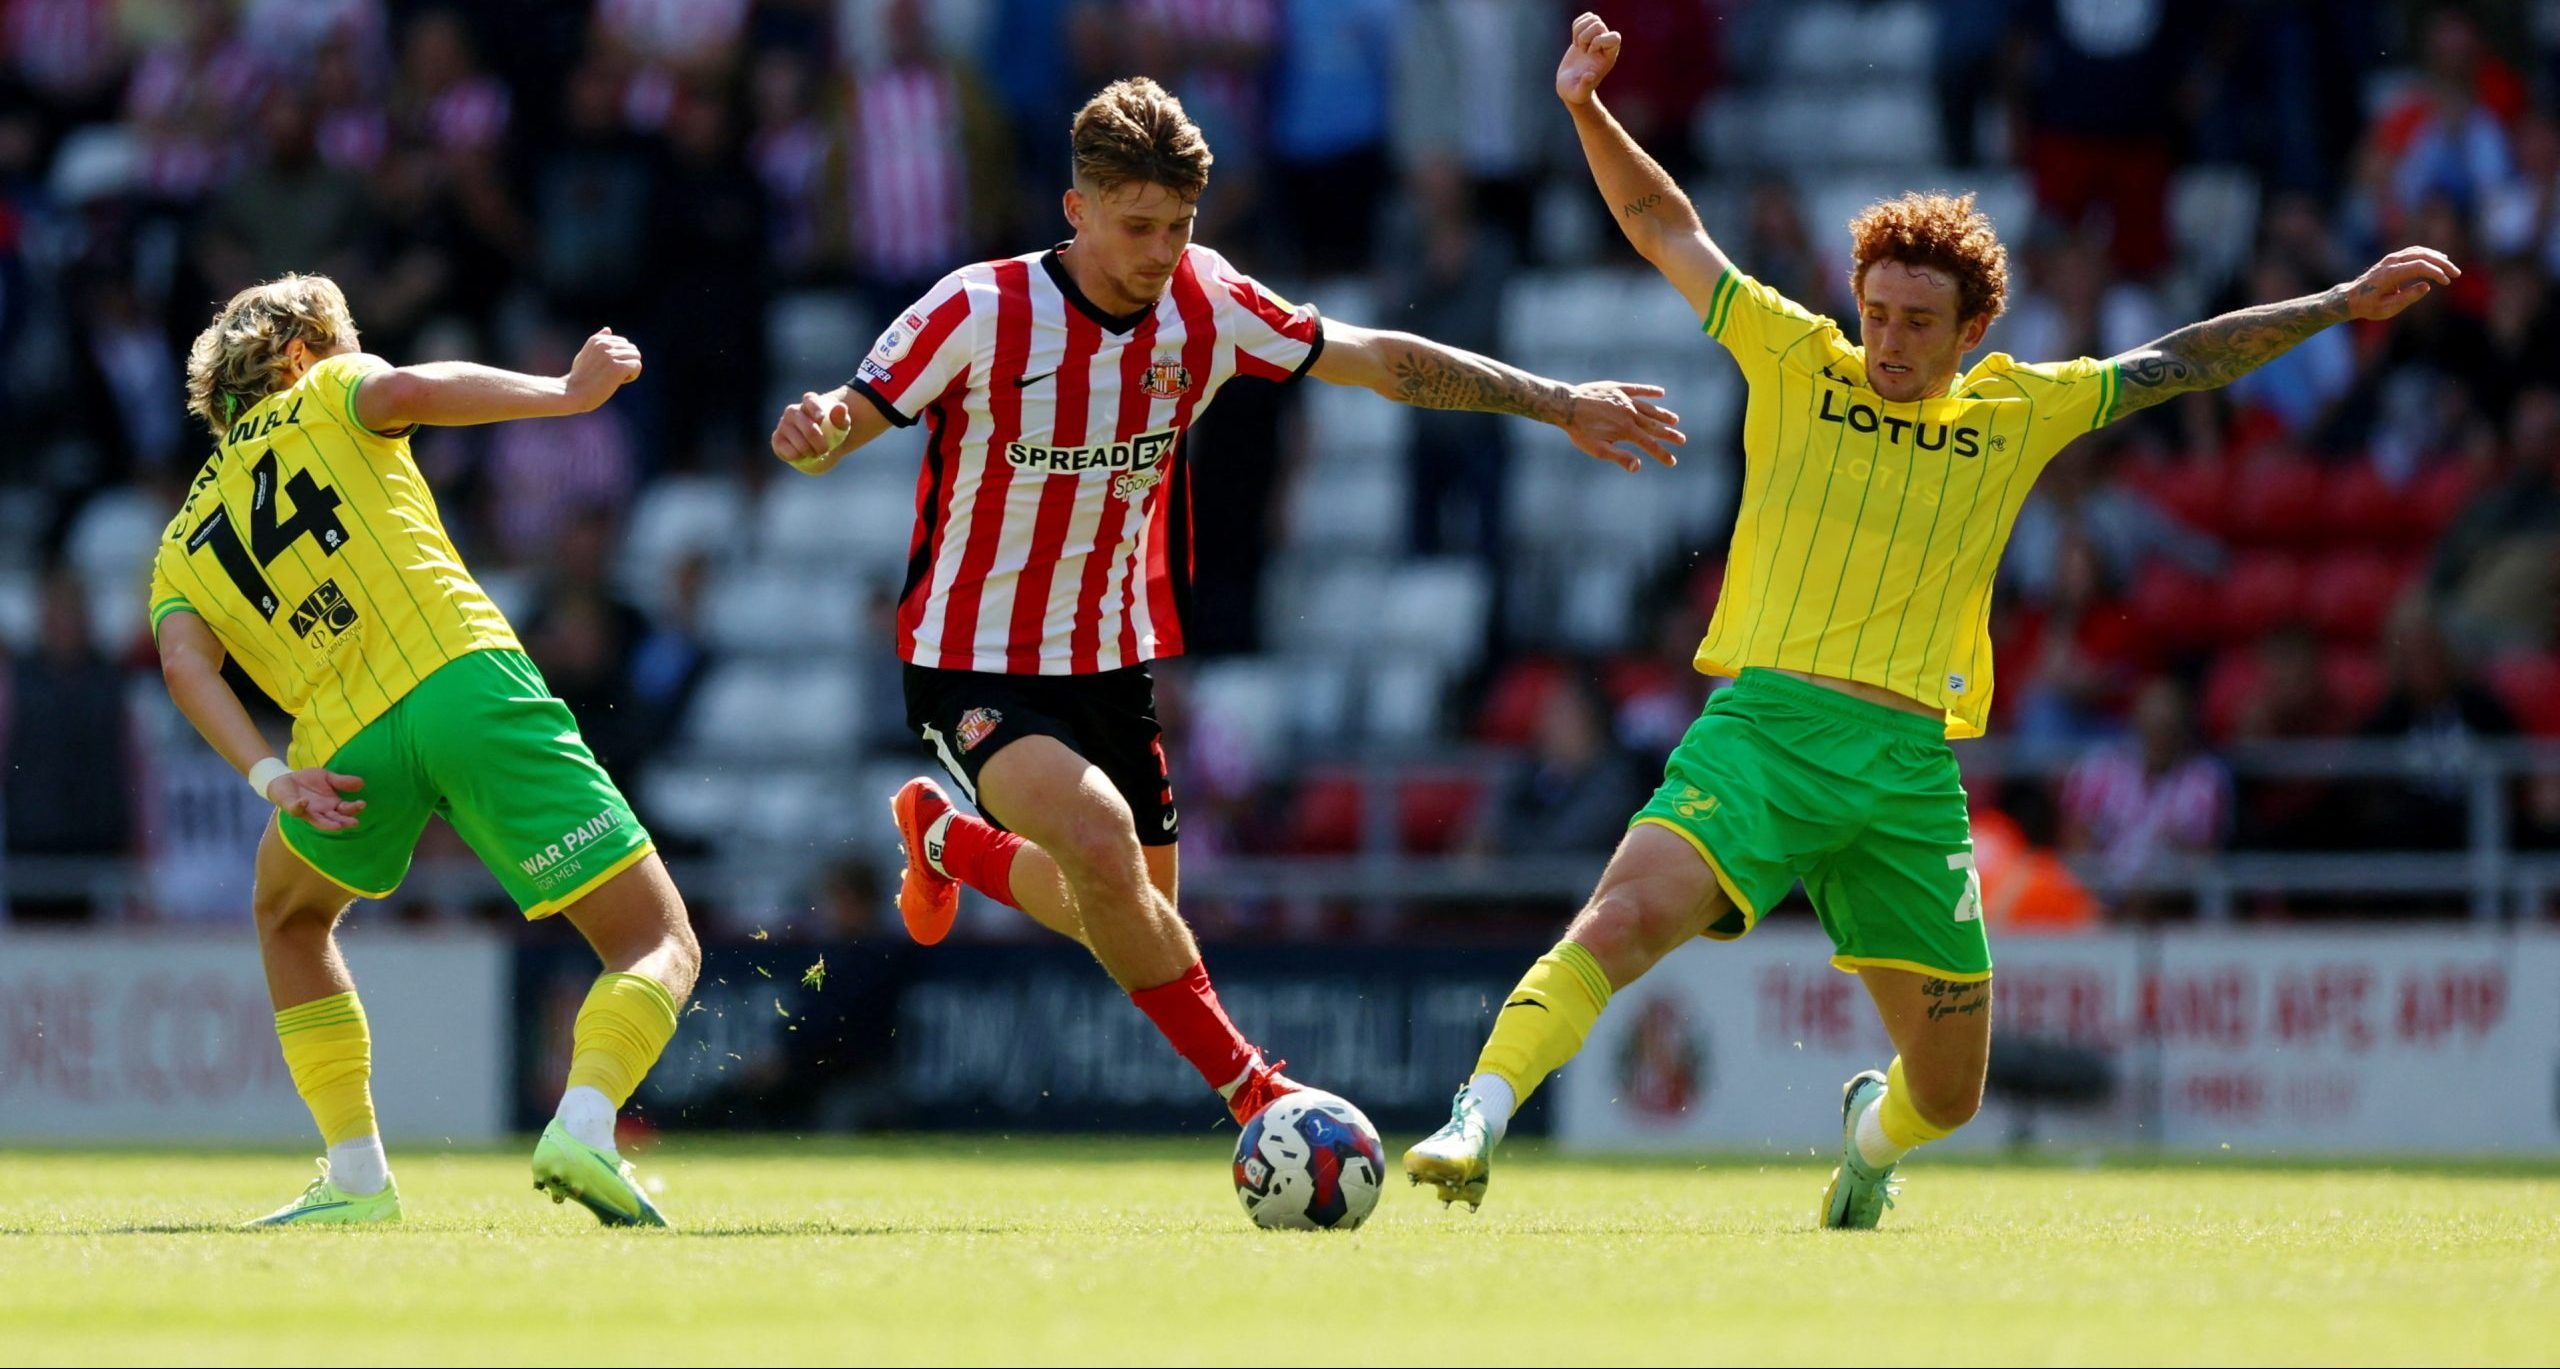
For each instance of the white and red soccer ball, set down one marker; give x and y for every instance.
(1309, 1162)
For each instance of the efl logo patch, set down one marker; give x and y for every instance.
(894, 343)
(1955, 684)
(975, 725)
(1166, 379)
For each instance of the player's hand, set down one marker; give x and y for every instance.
(1609, 415)
(1587, 59)
(2398, 281)
(605, 364)
(809, 432)
(317, 796)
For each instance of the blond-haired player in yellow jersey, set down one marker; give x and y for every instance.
(309, 549)
(1880, 480)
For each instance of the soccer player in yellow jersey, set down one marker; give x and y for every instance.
(1880, 480)
(310, 549)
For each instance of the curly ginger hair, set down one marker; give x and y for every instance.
(1941, 233)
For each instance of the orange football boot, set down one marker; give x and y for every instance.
(928, 899)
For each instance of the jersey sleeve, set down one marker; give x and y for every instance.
(2071, 397)
(919, 354)
(166, 596)
(1273, 339)
(333, 390)
(1764, 329)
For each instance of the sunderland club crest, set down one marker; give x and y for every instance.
(1166, 379)
(975, 725)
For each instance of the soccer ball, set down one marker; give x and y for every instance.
(1309, 1161)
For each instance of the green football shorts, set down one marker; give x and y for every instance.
(1781, 780)
(481, 743)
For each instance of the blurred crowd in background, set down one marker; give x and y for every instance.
(2361, 540)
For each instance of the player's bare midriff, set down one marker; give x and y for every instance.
(1859, 689)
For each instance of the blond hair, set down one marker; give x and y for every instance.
(1940, 232)
(240, 359)
(1134, 132)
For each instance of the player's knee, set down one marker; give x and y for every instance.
(1626, 931)
(683, 957)
(1098, 852)
(287, 916)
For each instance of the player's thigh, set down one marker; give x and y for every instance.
(1043, 790)
(371, 858)
(1727, 794)
(519, 784)
(290, 894)
(1656, 893)
(1902, 893)
(1164, 870)
(636, 922)
(1942, 1030)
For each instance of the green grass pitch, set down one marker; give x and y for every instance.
(994, 1250)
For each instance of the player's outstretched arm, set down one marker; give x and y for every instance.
(1647, 204)
(2218, 351)
(457, 393)
(1597, 415)
(816, 433)
(191, 665)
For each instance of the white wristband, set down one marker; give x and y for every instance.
(267, 772)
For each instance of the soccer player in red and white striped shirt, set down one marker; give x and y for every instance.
(1051, 557)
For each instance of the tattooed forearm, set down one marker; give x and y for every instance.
(1429, 376)
(1637, 207)
(2218, 351)
(1954, 998)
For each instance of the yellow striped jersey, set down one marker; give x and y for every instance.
(312, 547)
(1869, 529)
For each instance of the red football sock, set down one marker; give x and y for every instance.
(1188, 1013)
(980, 855)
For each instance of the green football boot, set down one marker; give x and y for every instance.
(600, 1180)
(1859, 1193)
(323, 1203)
(1458, 1158)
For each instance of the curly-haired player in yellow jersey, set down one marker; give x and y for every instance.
(310, 550)
(1880, 480)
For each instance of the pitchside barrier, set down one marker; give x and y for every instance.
(2437, 1041)
(2443, 1040)
(130, 1036)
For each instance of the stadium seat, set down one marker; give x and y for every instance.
(2350, 594)
(2443, 494)
(1245, 698)
(1512, 705)
(2174, 610)
(2264, 589)
(2528, 683)
(2275, 500)
(2235, 681)
(1435, 812)
(2192, 489)
(1324, 817)
(1434, 608)
(2213, 221)
(859, 516)
(2357, 681)
(677, 515)
(2359, 507)
(1402, 701)
(783, 608)
(1357, 506)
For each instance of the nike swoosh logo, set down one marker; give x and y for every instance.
(1528, 1003)
(1026, 382)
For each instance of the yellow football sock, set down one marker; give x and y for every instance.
(626, 1020)
(1903, 1125)
(329, 1052)
(1545, 1019)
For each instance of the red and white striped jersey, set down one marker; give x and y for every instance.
(1053, 513)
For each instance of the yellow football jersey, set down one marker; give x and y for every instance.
(1868, 530)
(312, 547)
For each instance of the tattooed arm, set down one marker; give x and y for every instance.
(2218, 351)
(1597, 416)
(1645, 201)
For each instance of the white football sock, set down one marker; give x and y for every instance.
(1494, 1101)
(587, 1115)
(1873, 1149)
(358, 1166)
(934, 835)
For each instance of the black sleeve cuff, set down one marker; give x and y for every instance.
(1314, 350)
(879, 401)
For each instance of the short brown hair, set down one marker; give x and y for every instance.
(1133, 132)
(1940, 232)
(239, 358)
